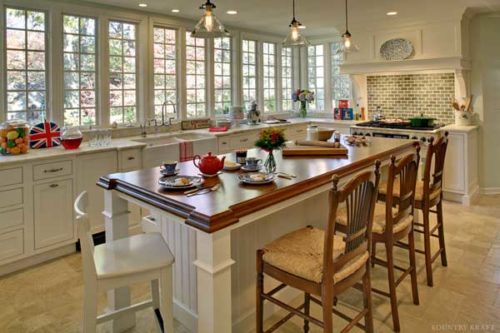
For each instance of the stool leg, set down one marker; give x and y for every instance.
(327, 300)
(392, 286)
(367, 300)
(155, 294)
(166, 299)
(427, 246)
(374, 252)
(307, 307)
(444, 260)
(90, 307)
(259, 311)
(413, 265)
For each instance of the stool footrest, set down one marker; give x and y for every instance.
(118, 313)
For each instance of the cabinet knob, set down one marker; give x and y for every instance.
(54, 185)
(131, 158)
(243, 140)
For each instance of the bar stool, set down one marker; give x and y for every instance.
(429, 194)
(321, 263)
(391, 225)
(144, 257)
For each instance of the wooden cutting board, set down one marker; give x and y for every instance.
(313, 151)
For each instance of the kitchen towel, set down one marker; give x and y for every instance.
(186, 152)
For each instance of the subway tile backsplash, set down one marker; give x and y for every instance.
(405, 96)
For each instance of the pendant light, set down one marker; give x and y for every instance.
(209, 26)
(347, 44)
(294, 37)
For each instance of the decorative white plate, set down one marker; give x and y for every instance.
(169, 182)
(396, 49)
(256, 178)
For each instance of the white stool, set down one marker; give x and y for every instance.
(144, 257)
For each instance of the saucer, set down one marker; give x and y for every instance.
(165, 173)
(210, 176)
(248, 169)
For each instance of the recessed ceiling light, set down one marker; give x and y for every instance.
(302, 27)
(143, 5)
(391, 13)
(231, 12)
(175, 10)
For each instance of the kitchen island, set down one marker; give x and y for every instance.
(214, 236)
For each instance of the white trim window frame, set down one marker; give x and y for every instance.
(287, 79)
(340, 84)
(269, 77)
(196, 76)
(32, 84)
(165, 71)
(123, 72)
(316, 76)
(249, 71)
(222, 75)
(80, 81)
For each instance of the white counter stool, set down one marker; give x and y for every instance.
(323, 264)
(143, 257)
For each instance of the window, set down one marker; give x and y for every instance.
(79, 34)
(286, 79)
(341, 83)
(195, 77)
(165, 70)
(122, 72)
(26, 70)
(222, 75)
(316, 76)
(249, 63)
(269, 64)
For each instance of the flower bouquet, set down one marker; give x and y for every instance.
(303, 96)
(269, 140)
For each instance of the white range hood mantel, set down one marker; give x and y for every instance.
(450, 64)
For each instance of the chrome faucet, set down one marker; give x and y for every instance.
(146, 124)
(164, 112)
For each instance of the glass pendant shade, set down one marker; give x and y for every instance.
(347, 45)
(209, 25)
(294, 37)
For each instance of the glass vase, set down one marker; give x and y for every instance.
(270, 162)
(303, 109)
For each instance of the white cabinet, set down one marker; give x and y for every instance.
(297, 132)
(53, 212)
(89, 168)
(229, 143)
(11, 244)
(342, 127)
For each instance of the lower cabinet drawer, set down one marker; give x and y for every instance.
(11, 244)
(51, 170)
(130, 160)
(11, 198)
(11, 218)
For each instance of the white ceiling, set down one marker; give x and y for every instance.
(321, 17)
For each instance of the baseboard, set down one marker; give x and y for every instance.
(490, 190)
(185, 316)
(36, 259)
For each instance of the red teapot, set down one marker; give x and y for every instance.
(208, 164)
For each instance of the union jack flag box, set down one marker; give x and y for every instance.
(45, 135)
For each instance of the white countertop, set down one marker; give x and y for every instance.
(128, 143)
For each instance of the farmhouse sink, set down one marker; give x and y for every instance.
(173, 139)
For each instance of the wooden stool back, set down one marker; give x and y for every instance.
(434, 165)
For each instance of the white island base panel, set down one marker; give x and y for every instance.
(214, 274)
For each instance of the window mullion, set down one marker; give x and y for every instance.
(327, 77)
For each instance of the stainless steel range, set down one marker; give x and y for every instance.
(397, 130)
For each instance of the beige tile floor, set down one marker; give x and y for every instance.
(465, 298)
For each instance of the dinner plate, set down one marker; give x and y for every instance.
(249, 178)
(169, 182)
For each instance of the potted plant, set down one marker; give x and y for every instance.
(303, 96)
(269, 140)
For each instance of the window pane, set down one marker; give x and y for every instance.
(316, 75)
(195, 77)
(222, 75)
(25, 59)
(122, 65)
(286, 79)
(249, 63)
(165, 69)
(341, 84)
(268, 61)
(79, 71)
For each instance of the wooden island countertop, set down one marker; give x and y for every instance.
(216, 210)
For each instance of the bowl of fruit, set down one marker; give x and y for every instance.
(14, 137)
